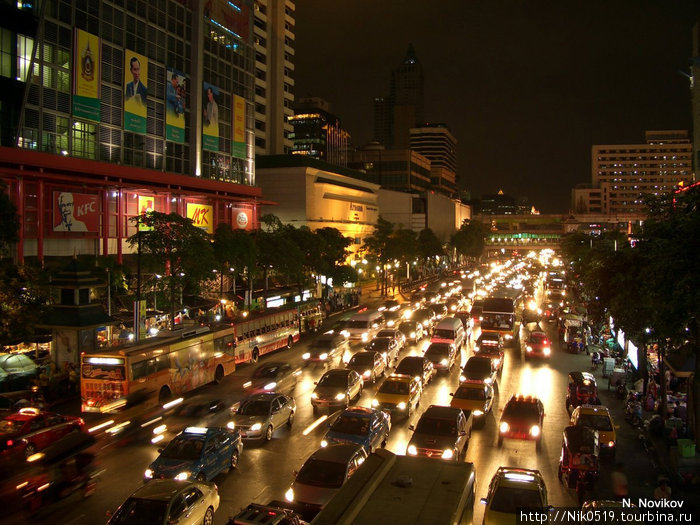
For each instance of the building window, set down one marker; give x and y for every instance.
(24, 57)
(84, 142)
(260, 91)
(259, 142)
(260, 125)
(55, 134)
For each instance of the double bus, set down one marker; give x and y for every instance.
(498, 316)
(177, 362)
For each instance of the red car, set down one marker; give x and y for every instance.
(538, 345)
(31, 429)
(522, 418)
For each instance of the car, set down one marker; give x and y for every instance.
(412, 330)
(454, 304)
(598, 418)
(432, 297)
(387, 346)
(370, 365)
(396, 334)
(390, 305)
(426, 317)
(522, 418)
(199, 411)
(393, 317)
(488, 339)
(259, 415)
(442, 355)
(399, 394)
(31, 429)
(11, 402)
(255, 514)
(440, 310)
(511, 491)
(359, 425)
(17, 372)
(274, 377)
(417, 299)
(441, 433)
(168, 501)
(336, 388)
(477, 312)
(199, 453)
(417, 366)
(465, 317)
(480, 369)
(538, 345)
(322, 475)
(339, 327)
(326, 348)
(474, 397)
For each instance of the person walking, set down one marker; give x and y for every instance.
(620, 485)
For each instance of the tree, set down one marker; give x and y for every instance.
(377, 245)
(470, 239)
(21, 303)
(172, 246)
(402, 248)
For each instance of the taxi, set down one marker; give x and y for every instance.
(399, 394)
(197, 453)
(359, 425)
(476, 397)
(522, 418)
(512, 490)
(598, 418)
(31, 429)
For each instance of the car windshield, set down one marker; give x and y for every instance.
(444, 334)
(137, 511)
(521, 410)
(407, 328)
(595, 422)
(255, 408)
(538, 339)
(322, 344)
(478, 367)
(334, 380)
(184, 448)
(321, 473)
(358, 324)
(436, 352)
(394, 387)
(385, 333)
(351, 425)
(266, 371)
(475, 394)
(436, 427)
(362, 359)
(513, 499)
(409, 367)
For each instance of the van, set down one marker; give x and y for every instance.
(450, 330)
(364, 326)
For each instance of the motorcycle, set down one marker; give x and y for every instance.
(596, 360)
(633, 411)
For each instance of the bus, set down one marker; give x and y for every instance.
(498, 316)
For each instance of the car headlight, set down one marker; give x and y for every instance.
(289, 495)
(535, 430)
(413, 335)
(366, 373)
(443, 362)
(345, 333)
(547, 350)
(447, 454)
(529, 349)
(375, 402)
(182, 476)
(270, 386)
(401, 406)
(610, 444)
(412, 450)
(425, 323)
(306, 355)
(256, 427)
(323, 356)
(509, 336)
(462, 379)
(148, 474)
(504, 427)
(324, 443)
(418, 378)
(478, 413)
(390, 323)
(340, 396)
(488, 380)
(453, 308)
(476, 348)
(314, 395)
(497, 361)
(365, 337)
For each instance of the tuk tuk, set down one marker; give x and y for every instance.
(582, 390)
(579, 461)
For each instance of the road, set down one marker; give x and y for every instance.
(266, 470)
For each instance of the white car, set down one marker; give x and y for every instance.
(166, 501)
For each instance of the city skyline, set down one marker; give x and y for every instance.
(526, 116)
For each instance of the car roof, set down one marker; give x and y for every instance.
(594, 409)
(412, 359)
(262, 396)
(403, 378)
(477, 358)
(520, 398)
(441, 412)
(340, 453)
(338, 372)
(520, 477)
(160, 489)
(439, 346)
(358, 412)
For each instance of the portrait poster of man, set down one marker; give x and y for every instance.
(176, 91)
(75, 212)
(146, 206)
(135, 92)
(86, 76)
(210, 114)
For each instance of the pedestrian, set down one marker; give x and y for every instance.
(620, 486)
(662, 491)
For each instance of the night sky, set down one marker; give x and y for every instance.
(527, 87)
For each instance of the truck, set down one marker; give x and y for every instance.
(389, 488)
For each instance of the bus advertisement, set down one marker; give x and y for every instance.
(498, 316)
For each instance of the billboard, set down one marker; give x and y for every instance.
(86, 75)
(75, 212)
(135, 92)
(146, 205)
(202, 216)
(175, 105)
(210, 112)
(233, 15)
(243, 219)
(238, 146)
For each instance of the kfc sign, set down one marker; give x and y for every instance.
(75, 212)
(242, 220)
(202, 216)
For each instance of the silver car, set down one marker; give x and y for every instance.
(370, 365)
(259, 415)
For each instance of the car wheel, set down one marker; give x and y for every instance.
(256, 355)
(29, 450)
(219, 374)
(268, 433)
(201, 477)
(208, 517)
(234, 459)
(290, 341)
(290, 419)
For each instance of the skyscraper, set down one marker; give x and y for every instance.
(318, 133)
(436, 142)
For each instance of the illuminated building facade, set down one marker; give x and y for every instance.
(318, 133)
(436, 143)
(399, 169)
(111, 109)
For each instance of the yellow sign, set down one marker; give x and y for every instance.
(146, 205)
(135, 91)
(238, 146)
(86, 76)
(202, 216)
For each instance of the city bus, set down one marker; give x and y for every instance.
(498, 316)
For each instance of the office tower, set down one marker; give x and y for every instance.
(318, 133)
(436, 142)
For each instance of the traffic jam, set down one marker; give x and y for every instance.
(487, 365)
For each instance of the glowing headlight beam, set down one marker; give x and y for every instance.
(101, 426)
(313, 425)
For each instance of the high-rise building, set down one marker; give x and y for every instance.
(397, 169)
(623, 173)
(318, 133)
(112, 109)
(402, 109)
(436, 142)
(695, 94)
(274, 75)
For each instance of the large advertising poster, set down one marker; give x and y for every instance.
(86, 76)
(146, 205)
(135, 92)
(233, 15)
(202, 216)
(75, 212)
(238, 146)
(175, 105)
(210, 111)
